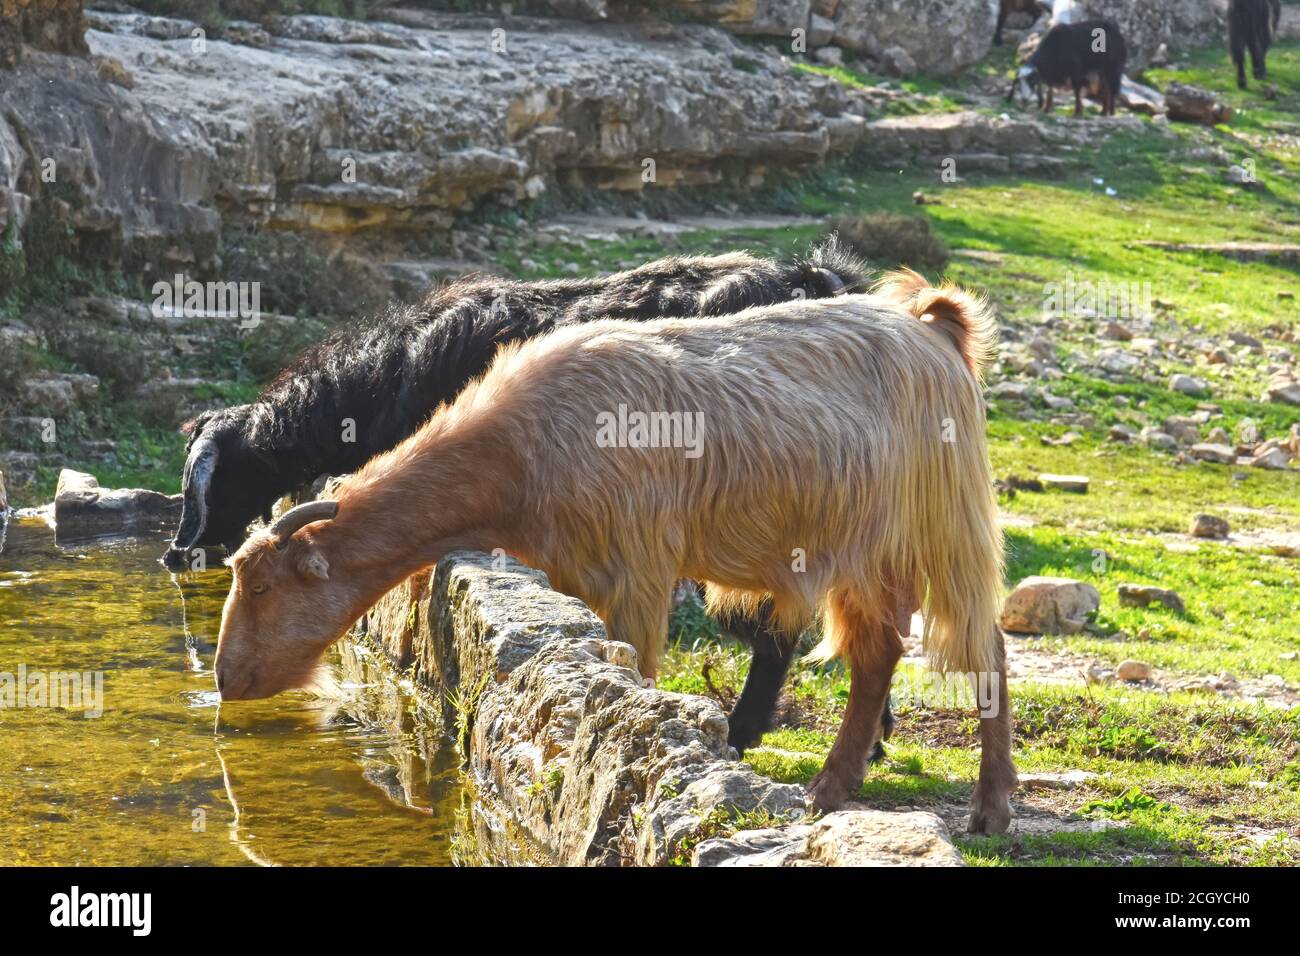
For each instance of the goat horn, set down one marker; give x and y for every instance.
(834, 282)
(300, 517)
(195, 481)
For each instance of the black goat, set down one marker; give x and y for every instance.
(1252, 24)
(1089, 55)
(362, 391)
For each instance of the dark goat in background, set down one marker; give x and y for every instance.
(1088, 55)
(1252, 24)
(387, 377)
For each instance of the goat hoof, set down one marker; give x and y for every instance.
(989, 817)
(742, 739)
(648, 683)
(827, 792)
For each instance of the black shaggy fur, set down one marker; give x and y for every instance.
(1252, 24)
(388, 376)
(1068, 54)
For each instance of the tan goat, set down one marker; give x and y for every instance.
(838, 465)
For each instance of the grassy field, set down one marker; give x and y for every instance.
(1175, 775)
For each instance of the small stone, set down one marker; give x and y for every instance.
(1067, 780)
(1274, 458)
(1118, 362)
(829, 55)
(1096, 674)
(1209, 526)
(1219, 436)
(1189, 385)
(898, 62)
(1122, 433)
(1219, 454)
(1284, 388)
(1117, 332)
(620, 654)
(1011, 391)
(1241, 338)
(1049, 605)
(1289, 655)
(1158, 439)
(1218, 357)
(1133, 671)
(1225, 681)
(1183, 427)
(1074, 483)
(1141, 595)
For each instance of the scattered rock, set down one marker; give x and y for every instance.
(1121, 432)
(1158, 439)
(846, 838)
(1191, 104)
(1187, 430)
(1249, 341)
(1097, 674)
(1189, 385)
(1049, 605)
(1119, 362)
(1011, 391)
(82, 508)
(1013, 483)
(4, 495)
(1209, 526)
(1273, 458)
(1133, 671)
(1219, 454)
(1065, 780)
(1283, 387)
(896, 61)
(20, 466)
(1074, 483)
(56, 395)
(1142, 595)
(1117, 332)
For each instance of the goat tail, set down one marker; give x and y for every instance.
(964, 316)
(959, 579)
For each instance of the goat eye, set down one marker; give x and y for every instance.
(259, 588)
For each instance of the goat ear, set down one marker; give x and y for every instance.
(195, 424)
(314, 565)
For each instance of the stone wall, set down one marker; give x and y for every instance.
(575, 763)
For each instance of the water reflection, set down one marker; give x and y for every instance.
(169, 775)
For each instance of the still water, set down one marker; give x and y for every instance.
(169, 776)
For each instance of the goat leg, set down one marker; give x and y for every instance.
(773, 651)
(874, 650)
(991, 804)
